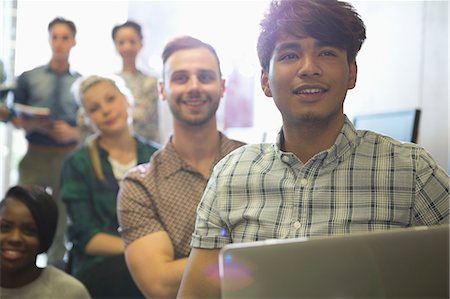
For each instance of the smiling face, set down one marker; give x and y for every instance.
(308, 81)
(192, 86)
(107, 108)
(128, 43)
(19, 239)
(62, 40)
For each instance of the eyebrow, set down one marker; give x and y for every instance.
(287, 46)
(196, 71)
(297, 46)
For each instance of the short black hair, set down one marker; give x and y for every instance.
(333, 22)
(60, 20)
(43, 208)
(130, 24)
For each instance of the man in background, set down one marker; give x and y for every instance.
(158, 200)
(50, 137)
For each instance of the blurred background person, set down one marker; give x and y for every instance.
(128, 40)
(4, 111)
(50, 139)
(28, 219)
(90, 183)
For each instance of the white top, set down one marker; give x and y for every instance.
(52, 283)
(120, 169)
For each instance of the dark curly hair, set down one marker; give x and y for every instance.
(335, 23)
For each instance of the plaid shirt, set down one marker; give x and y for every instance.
(364, 182)
(163, 195)
(92, 203)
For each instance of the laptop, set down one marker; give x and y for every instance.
(399, 263)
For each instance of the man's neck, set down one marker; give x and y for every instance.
(308, 140)
(59, 66)
(197, 146)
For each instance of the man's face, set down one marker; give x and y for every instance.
(192, 86)
(61, 40)
(308, 80)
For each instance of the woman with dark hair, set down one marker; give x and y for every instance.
(128, 40)
(28, 220)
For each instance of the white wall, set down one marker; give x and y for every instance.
(94, 21)
(404, 64)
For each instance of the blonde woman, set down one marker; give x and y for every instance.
(90, 183)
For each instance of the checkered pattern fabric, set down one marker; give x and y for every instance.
(364, 182)
(163, 195)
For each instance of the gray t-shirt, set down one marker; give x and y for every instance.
(52, 283)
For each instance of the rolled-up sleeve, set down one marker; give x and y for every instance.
(137, 217)
(432, 185)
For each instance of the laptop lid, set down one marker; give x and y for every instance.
(400, 263)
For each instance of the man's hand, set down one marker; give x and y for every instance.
(201, 277)
(63, 132)
(41, 125)
(4, 113)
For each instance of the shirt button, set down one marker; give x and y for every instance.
(285, 159)
(297, 224)
(303, 182)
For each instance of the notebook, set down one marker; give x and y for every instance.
(399, 263)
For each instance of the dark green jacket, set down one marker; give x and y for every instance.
(91, 203)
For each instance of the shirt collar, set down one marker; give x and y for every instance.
(171, 161)
(345, 141)
(70, 71)
(174, 163)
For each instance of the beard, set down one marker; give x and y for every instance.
(313, 118)
(198, 119)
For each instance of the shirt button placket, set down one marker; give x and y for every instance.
(302, 183)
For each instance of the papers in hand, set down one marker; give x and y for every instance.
(32, 111)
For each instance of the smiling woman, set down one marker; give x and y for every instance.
(28, 218)
(90, 183)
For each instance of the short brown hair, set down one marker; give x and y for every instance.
(186, 42)
(332, 22)
(60, 20)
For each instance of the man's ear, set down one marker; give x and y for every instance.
(74, 42)
(222, 87)
(265, 83)
(353, 74)
(162, 93)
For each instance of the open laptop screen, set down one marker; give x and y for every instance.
(400, 263)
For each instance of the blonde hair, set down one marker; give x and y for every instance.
(79, 88)
(92, 145)
(81, 85)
